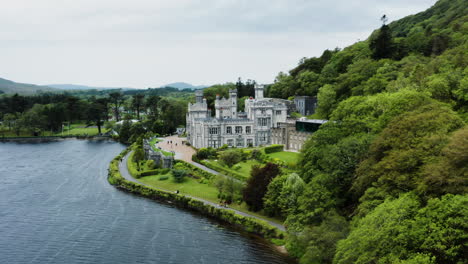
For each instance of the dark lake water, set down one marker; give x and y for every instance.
(57, 207)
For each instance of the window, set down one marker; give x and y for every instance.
(278, 112)
(263, 121)
(213, 131)
(228, 130)
(250, 142)
(230, 142)
(238, 130)
(263, 112)
(240, 142)
(213, 143)
(248, 129)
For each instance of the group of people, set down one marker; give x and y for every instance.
(170, 142)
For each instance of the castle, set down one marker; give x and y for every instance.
(236, 129)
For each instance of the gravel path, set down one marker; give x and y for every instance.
(126, 174)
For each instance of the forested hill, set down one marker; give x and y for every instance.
(424, 52)
(10, 87)
(387, 181)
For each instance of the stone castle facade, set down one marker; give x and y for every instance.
(253, 127)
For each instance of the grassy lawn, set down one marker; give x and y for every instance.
(288, 157)
(193, 187)
(244, 167)
(153, 143)
(90, 131)
(190, 187)
(75, 130)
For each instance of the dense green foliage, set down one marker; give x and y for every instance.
(425, 52)
(273, 148)
(257, 185)
(386, 180)
(248, 224)
(231, 157)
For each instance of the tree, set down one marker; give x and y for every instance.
(229, 189)
(449, 172)
(230, 157)
(397, 156)
(272, 200)
(179, 175)
(402, 230)
(138, 156)
(124, 132)
(9, 119)
(34, 119)
(326, 101)
(257, 185)
(382, 45)
(116, 99)
(137, 103)
(97, 111)
(152, 103)
(319, 242)
(136, 130)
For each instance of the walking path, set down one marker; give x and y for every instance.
(126, 174)
(183, 152)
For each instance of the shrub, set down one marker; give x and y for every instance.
(224, 171)
(203, 153)
(206, 153)
(179, 175)
(223, 147)
(195, 158)
(163, 178)
(150, 164)
(153, 172)
(256, 154)
(273, 149)
(230, 157)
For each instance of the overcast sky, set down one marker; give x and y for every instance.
(148, 43)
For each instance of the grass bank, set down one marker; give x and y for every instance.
(248, 224)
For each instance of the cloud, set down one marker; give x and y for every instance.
(148, 43)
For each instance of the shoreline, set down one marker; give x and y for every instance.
(52, 138)
(243, 223)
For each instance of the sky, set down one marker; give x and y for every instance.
(150, 43)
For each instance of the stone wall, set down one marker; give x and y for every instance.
(158, 157)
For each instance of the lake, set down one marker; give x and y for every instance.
(56, 206)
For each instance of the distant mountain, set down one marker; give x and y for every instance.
(84, 87)
(10, 87)
(182, 85)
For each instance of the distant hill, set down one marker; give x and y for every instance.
(182, 85)
(10, 87)
(84, 87)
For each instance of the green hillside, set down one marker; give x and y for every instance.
(10, 87)
(387, 181)
(426, 52)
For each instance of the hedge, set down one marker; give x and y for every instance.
(224, 171)
(273, 148)
(153, 172)
(248, 224)
(193, 168)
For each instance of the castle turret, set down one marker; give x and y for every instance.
(233, 99)
(199, 96)
(259, 91)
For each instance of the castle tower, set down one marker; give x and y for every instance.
(259, 91)
(233, 100)
(199, 96)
